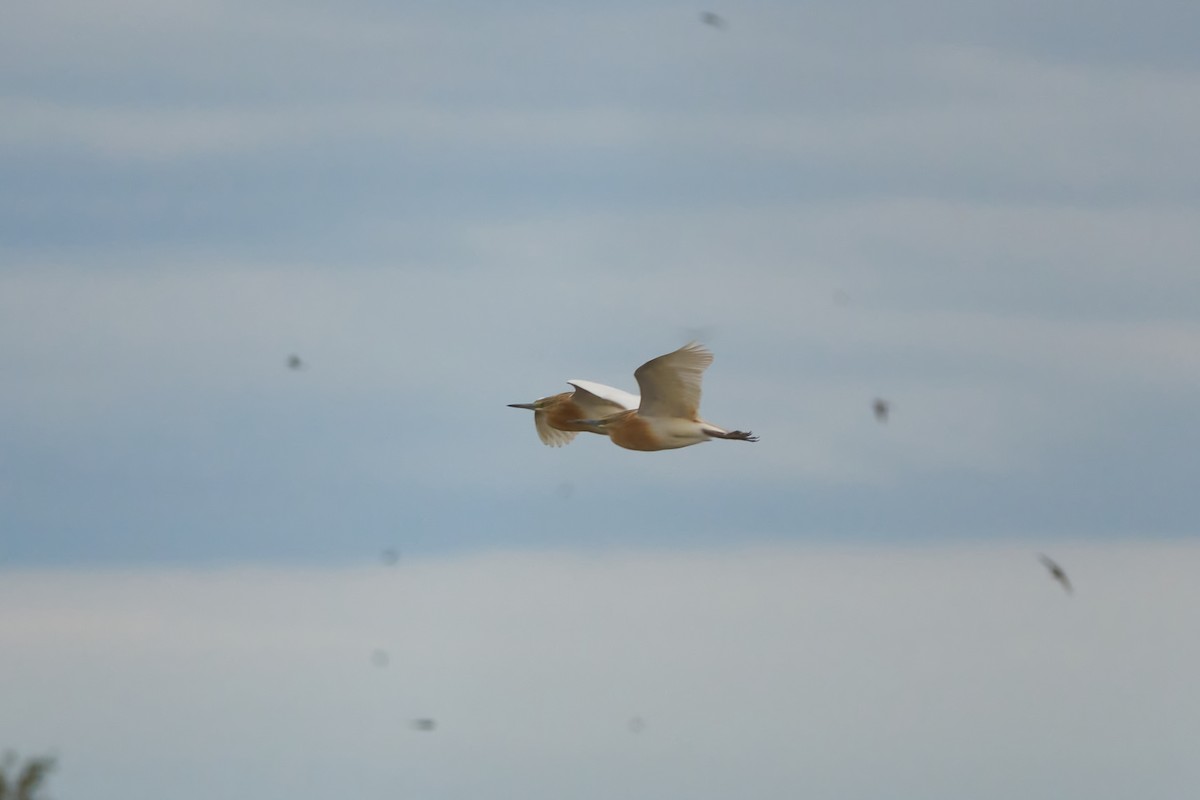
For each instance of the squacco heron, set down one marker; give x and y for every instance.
(669, 413)
(559, 417)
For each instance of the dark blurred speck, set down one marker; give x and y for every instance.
(840, 298)
(1056, 572)
(424, 724)
(294, 362)
(637, 725)
(380, 658)
(389, 557)
(709, 18)
(881, 408)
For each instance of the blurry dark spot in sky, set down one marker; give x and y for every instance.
(881, 408)
(709, 18)
(840, 298)
(294, 362)
(636, 724)
(1056, 572)
(424, 724)
(380, 658)
(565, 490)
(389, 557)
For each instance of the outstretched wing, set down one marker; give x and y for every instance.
(670, 384)
(598, 400)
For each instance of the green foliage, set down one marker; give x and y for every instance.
(23, 783)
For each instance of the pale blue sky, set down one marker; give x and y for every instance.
(444, 208)
(447, 208)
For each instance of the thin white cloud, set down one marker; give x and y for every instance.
(164, 134)
(936, 116)
(992, 391)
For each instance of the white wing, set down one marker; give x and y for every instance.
(600, 400)
(670, 384)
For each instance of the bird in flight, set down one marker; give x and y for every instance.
(1056, 572)
(668, 415)
(559, 417)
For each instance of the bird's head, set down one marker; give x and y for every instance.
(536, 405)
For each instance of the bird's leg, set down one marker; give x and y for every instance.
(742, 436)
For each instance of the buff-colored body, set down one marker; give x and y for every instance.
(633, 431)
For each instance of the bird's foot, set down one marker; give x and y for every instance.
(743, 436)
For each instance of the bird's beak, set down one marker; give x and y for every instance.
(530, 406)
